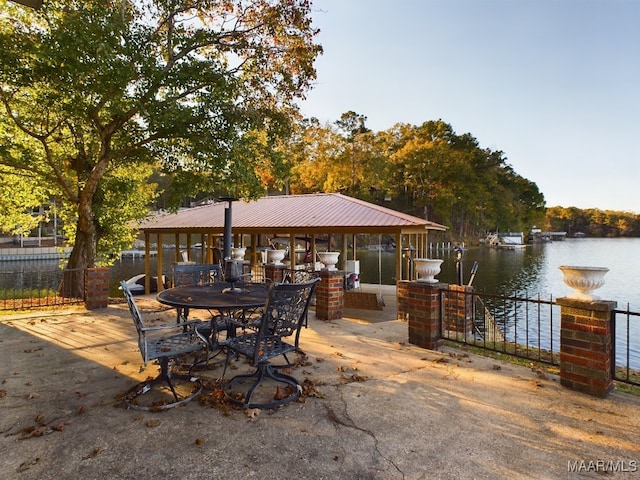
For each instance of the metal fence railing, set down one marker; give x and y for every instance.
(29, 287)
(626, 350)
(520, 326)
(529, 328)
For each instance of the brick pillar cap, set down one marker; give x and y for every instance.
(597, 305)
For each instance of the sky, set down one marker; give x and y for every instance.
(553, 84)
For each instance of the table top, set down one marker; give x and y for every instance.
(216, 296)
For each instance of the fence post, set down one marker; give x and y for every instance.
(96, 288)
(330, 295)
(586, 345)
(419, 304)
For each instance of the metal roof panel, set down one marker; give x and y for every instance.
(330, 211)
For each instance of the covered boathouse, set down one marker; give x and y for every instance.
(323, 221)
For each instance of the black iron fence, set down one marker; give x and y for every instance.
(626, 347)
(529, 328)
(35, 286)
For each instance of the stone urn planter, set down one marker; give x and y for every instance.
(237, 253)
(583, 280)
(427, 269)
(329, 259)
(275, 256)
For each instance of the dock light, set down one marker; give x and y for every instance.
(459, 272)
(408, 253)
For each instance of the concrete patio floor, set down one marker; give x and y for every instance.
(384, 410)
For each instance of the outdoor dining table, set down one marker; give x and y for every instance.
(233, 301)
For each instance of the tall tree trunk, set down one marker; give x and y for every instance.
(83, 255)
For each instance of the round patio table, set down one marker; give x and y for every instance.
(218, 296)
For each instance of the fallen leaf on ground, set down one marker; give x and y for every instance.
(94, 452)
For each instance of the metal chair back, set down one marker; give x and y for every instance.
(185, 275)
(137, 320)
(284, 315)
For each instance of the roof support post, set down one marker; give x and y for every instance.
(292, 251)
(147, 264)
(398, 257)
(159, 282)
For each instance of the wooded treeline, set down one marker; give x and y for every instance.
(428, 171)
(592, 222)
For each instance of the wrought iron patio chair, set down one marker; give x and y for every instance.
(300, 276)
(283, 316)
(163, 343)
(187, 275)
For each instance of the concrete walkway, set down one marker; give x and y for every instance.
(382, 409)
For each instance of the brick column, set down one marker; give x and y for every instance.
(419, 304)
(586, 345)
(273, 272)
(458, 313)
(96, 288)
(330, 295)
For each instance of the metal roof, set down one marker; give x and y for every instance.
(312, 213)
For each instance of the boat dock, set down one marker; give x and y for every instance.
(34, 253)
(137, 253)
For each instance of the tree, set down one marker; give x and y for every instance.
(17, 194)
(97, 95)
(353, 125)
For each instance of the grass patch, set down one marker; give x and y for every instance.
(505, 356)
(15, 294)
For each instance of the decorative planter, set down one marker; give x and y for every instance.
(583, 280)
(275, 256)
(329, 259)
(238, 253)
(427, 269)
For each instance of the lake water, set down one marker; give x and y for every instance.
(529, 271)
(535, 269)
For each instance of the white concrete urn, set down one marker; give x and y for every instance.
(275, 256)
(237, 253)
(583, 280)
(329, 260)
(427, 269)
